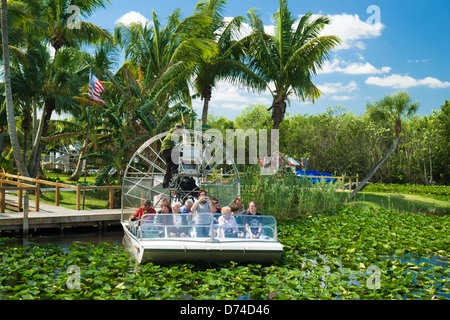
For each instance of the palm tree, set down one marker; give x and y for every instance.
(62, 78)
(8, 92)
(390, 109)
(161, 60)
(55, 20)
(290, 57)
(226, 64)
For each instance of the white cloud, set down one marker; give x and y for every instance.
(403, 82)
(246, 30)
(341, 98)
(418, 61)
(133, 17)
(231, 97)
(353, 68)
(337, 87)
(351, 29)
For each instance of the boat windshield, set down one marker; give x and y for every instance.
(204, 226)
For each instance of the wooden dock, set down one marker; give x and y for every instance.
(50, 216)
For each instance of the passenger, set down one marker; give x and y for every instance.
(241, 230)
(179, 228)
(145, 209)
(227, 224)
(166, 208)
(253, 224)
(163, 218)
(237, 202)
(215, 202)
(215, 210)
(187, 206)
(201, 206)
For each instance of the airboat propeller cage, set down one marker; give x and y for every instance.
(203, 163)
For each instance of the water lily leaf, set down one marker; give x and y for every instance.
(121, 286)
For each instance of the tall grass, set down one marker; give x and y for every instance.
(284, 195)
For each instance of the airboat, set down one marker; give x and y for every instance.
(163, 238)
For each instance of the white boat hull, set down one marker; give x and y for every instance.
(196, 250)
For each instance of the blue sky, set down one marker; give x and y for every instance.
(393, 45)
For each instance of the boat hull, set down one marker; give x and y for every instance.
(196, 250)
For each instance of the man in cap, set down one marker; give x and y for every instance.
(167, 147)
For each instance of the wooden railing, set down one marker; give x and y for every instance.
(21, 183)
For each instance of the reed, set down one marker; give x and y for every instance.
(284, 195)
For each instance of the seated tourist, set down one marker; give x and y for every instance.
(253, 224)
(180, 228)
(187, 206)
(163, 217)
(215, 210)
(237, 202)
(215, 203)
(241, 230)
(145, 209)
(227, 224)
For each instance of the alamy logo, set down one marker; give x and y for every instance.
(75, 14)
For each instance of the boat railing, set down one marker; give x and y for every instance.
(205, 227)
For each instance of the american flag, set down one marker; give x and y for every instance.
(95, 88)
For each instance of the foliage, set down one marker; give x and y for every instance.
(284, 195)
(434, 192)
(325, 257)
(287, 60)
(340, 142)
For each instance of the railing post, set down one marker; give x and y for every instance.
(19, 198)
(25, 213)
(343, 183)
(111, 198)
(350, 184)
(78, 196)
(2, 201)
(57, 193)
(37, 195)
(19, 194)
(357, 179)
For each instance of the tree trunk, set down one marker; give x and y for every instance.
(375, 169)
(278, 111)
(35, 159)
(77, 173)
(26, 127)
(206, 96)
(36, 142)
(8, 92)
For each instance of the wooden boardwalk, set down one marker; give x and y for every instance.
(50, 216)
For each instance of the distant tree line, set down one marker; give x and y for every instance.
(340, 142)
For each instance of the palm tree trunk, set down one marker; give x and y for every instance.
(278, 111)
(36, 142)
(8, 91)
(35, 160)
(375, 169)
(77, 173)
(206, 95)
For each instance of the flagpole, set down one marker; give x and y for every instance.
(87, 139)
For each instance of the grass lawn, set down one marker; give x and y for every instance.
(401, 202)
(93, 200)
(63, 178)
